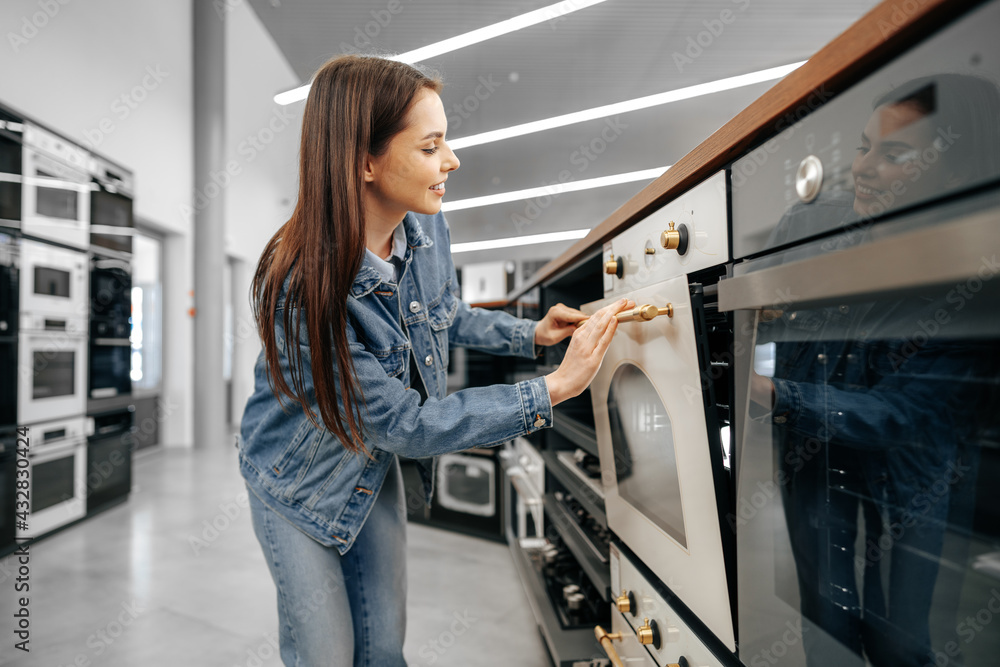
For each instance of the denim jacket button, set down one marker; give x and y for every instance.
(414, 306)
(428, 360)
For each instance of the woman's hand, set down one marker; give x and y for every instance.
(557, 324)
(585, 353)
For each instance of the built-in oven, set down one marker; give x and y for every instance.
(467, 484)
(867, 365)
(110, 327)
(52, 368)
(11, 166)
(111, 210)
(8, 486)
(54, 280)
(56, 192)
(109, 459)
(658, 431)
(9, 297)
(57, 460)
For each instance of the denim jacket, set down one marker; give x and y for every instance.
(306, 475)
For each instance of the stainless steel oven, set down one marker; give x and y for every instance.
(659, 443)
(52, 368)
(111, 210)
(867, 363)
(56, 192)
(11, 165)
(57, 460)
(54, 281)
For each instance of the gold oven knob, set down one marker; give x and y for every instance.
(615, 267)
(625, 603)
(675, 239)
(648, 633)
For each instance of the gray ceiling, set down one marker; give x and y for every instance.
(611, 52)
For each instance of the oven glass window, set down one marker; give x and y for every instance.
(52, 282)
(54, 374)
(878, 425)
(110, 209)
(643, 442)
(56, 202)
(52, 482)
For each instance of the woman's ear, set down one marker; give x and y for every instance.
(369, 173)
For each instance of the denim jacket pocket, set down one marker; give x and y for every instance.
(441, 313)
(394, 360)
(278, 464)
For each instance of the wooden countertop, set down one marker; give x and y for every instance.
(883, 33)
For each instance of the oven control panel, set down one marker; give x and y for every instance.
(56, 146)
(688, 234)
(648, 620)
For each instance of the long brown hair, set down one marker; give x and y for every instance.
(356, 105)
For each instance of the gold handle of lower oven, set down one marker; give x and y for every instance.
(605, 639)
(643, 313)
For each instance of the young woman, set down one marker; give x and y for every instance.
(356, 304)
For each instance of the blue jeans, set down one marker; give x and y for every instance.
(334, 609)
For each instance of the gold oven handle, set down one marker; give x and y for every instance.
(643, 313)
(605, 638)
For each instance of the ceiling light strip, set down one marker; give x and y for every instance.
(533, 239)
(554, 189)
(624, 107)
(550, 13)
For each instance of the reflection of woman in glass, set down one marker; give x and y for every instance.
(871, 415)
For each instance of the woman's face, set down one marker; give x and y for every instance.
(896, 161)
(410, 175)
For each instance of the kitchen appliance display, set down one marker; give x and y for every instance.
(110, 327)
(56, 192)
(111, 209)
(657, 430)
(52, 367)
(11, 166)
(54, 281)
(57, 459)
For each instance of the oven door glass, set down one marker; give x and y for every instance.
(870, 458)
(466, 484)
(10, 179)
(659, 463)
(643, 443)
(110, 365)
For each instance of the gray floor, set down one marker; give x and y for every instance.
(151, 582)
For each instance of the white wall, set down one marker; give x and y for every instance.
(115, 75)
(262, 145)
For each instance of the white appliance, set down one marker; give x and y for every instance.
(56, 188)
(661, 459)
(52, 368)
(54, 281)
(57, 461)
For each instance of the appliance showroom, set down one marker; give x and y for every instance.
(691, 365)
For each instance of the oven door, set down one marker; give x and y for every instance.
(868, 399)
(467, 484)
(57, 461)
(657, 459)
(110, 366)
(111, 220)
(10, 175)
(56, 200)
(53, 376)
(54, 281)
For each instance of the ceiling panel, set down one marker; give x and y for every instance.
(611, 52)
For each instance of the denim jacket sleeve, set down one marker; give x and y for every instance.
(395, 420)
(492, 331)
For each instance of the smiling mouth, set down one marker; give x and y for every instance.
(439, 188)
(866, 191)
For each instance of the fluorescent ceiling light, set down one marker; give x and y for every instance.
(558, 10)
(624, 107)
(554, 189)
(533, 239)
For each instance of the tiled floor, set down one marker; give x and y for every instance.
(175, 577)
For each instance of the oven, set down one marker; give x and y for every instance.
(109, 459)
(8, 486)
(56, 473)
(56, 192)
(110, 327)
(466, 483)
(11, 166)
(52, 363)
(867, 366)
(9, 296)
(658, 430)
(111, 209)
(54, 281)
